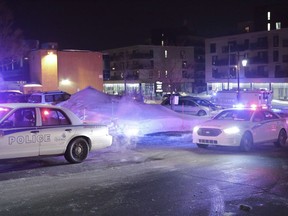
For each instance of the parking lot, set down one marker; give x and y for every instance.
(167, 176)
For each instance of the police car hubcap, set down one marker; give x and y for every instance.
(78, 150)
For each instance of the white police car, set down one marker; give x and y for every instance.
(28, 130)
(241, 127)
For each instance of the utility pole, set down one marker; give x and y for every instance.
(228, 72)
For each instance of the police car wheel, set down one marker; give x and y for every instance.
(282, 137)
(77, 151)
(246, 142)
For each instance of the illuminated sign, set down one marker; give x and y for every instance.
(159, 86)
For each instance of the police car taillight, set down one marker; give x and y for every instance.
(45, 112)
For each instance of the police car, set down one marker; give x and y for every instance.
(241, 127)
(28, 130)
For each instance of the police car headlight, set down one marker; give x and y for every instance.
(195, 129)
(232, 130)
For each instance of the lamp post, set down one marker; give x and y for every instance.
(244, 64)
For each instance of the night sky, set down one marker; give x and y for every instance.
(103, 24)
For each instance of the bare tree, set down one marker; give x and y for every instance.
(12, 47)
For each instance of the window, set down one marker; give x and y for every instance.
(285, 43)
(53, 117)
(268, 27)
(268, 15)
(24, 117)
(187, 103)
(278, 25)
(166, 54)
(275, 56)
(35, 99)
(49, 98)
(258, 117)
(212, 48)
(269, 115)
(182, 54)
(262, 42)
(184, 64)
(276, 41)
(214, 60)
(184, 74)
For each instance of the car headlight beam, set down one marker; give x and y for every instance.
(195, 129)
(232, 130)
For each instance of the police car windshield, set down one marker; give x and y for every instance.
(4, 111)
(236, 115)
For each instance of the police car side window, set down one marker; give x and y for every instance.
(54, 117)
(258, 117)
(24, 117)
(269, 115)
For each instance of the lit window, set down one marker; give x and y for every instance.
(162, 42)
(166, 53)
(278, 25)
(268, 27)
(166, 73)
(268, 15)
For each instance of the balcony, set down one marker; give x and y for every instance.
(281, 73)
(258, 60)
(256, 74)
(132, 77)
(143, 55)
(223, 75)
(256, 46)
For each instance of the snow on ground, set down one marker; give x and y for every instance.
(126, 115)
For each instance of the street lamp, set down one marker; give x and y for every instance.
(244, 64)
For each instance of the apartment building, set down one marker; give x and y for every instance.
(154, 70)
(266, 53)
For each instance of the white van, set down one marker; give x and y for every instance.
(49, 97)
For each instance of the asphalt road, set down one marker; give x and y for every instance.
(155, 179)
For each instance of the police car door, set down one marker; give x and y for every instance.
(18, 134)
(56, 131)
(265, 127)
(271, 125)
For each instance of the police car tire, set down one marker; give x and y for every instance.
(246, 143)
(77, 151)
(282, 137)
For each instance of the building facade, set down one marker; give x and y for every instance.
(153, 70)
(67, 70)
(267, 56)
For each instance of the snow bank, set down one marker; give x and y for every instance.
(123, 114)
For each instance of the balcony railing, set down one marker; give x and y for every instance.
(141, 56)
(256, 74)
(281, 73)
(222, 75)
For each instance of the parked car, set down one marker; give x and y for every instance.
(204, 102)
(241, 127)
(8, 96)
(189, 105)
(49, 97)
(29, 130)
